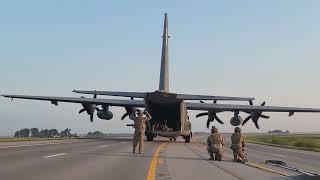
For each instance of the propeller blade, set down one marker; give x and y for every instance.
(246, 120)
(202, 114)
(201, 101)
(124, 116)
(264, 116)
(208, 123)
(218, 119)
(81, 111)
(91, 117)
(256, 124)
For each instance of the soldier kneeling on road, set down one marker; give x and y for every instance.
(238, 145)
(215, 144)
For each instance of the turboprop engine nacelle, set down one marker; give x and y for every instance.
(105, 114)
(236, 121)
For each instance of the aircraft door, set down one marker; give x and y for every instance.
(183, 118)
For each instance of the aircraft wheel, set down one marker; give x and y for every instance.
(149, 138)
(187, 139)
(174, 139)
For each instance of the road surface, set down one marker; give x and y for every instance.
(112, 159)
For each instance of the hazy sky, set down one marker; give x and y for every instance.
(265, 49)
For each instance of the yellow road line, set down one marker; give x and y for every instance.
(262, 168)
(267, 169)
(153, 165)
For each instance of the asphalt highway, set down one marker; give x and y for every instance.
(112, 159)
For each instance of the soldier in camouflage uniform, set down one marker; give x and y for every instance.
(215, 144)
(139, 126)
(238, 146)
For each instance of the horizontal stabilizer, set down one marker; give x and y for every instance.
(205, 97)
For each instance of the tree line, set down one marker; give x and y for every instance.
(44, 133)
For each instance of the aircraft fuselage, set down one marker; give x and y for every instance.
(169, 115)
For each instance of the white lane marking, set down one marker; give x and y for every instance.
(43, 144)
(123, 142)
(55, 155)
(104, 146)
(279, 155)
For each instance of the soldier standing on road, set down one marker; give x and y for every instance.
(238, 146)
(139, 126)
(215, 144)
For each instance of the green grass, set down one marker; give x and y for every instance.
(303, 142)
(31, 139)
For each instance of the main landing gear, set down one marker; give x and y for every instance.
(149, 136)
(187, 138)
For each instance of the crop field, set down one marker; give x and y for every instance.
(310, 142)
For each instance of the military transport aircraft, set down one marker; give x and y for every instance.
(168, 110)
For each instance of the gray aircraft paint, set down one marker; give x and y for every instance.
(164, 71)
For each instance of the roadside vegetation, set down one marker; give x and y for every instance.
(34, 134)
(295, 141)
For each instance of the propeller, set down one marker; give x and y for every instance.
(212, 115)
(129, 111)
(90, 108)
(255, 116)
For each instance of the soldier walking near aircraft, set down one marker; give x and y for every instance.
(238, 146)
(215, 144)
(140, 126)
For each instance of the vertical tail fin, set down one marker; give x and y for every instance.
(164, 72)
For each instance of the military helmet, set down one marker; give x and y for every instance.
(237, 129)
(214, 129)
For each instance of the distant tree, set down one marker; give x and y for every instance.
(44, 133)
(24, 132)
(65, 133)
(17, 134)
(35, 132)
(53, 133)
(96, 133)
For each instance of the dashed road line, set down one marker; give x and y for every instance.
(279, 155)
(104, 146)
(55, 155)
(42, 144)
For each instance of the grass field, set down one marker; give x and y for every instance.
(31, 139)
(295, 141)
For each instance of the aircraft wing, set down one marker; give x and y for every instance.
(179, 96)
(114, 93)
(246, 108)
(110, 102)
(205, 97)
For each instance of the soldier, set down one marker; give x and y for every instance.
(139, 126)
(238, 146)
(215, 144)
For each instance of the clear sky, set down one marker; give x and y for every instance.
(265, 49)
